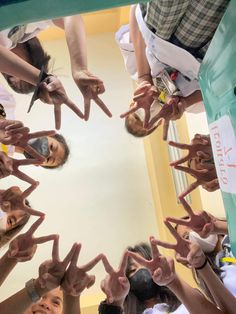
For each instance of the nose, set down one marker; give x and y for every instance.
(44, 304)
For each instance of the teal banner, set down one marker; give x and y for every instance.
(218, 84)
(16, 12)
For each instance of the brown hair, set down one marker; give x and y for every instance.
(60, 138)
(141, 132)
(132, 304)
(37, 58)
(9, 195)
(10, 234)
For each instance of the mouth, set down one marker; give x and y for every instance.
(39, 312)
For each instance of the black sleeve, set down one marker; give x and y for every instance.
(105, 308)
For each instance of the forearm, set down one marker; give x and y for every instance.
(13, 65)
(143, 68)
(6, 266)
(193, 299)
(220, 227)
(20, 301)
(76, 42)
(192, 99)
(225, 300)
(71, 305)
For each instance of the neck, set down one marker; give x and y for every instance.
(151, 302)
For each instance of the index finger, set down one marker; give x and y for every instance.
(69, 256)
(190, 188)
(172, 230)
(35, 226)
(74, 108)
(21, 175)
(92, 263)
(186, 206)
(131, 110)
(141, 260)
(165, 129)
(108, 268)
(123, 263)
(75, 256)
(32, 211)
(29, 190)
(57, 115)
(55, 250)
(104, 108)
(165, 111)
(178, 221)
(154, 249)
(44, 239)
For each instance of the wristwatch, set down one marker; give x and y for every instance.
(32, 292)
(105, 308)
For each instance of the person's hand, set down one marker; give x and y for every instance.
(90, 86)
(193, 151)
(181, 247)
(13, 199)
(24, 139)
(24, 246)
(16, 163)
(196, 257)
(76, 278)
(173, 109)
(53, 92)
(144, 95)
(52, 271)
(202, 177)
(115, 285)
(201, 222)
(11, 131)
(161, 267)
(6, 168)
(211, 186)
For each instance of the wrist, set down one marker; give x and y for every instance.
(119, 303)
(173, 283)
(77, 70)
(202, 264)
(106, 308)
(145, 78)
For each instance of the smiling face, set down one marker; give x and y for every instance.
(10, 206)
(56, 153)
(50, 303)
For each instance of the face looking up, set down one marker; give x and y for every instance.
(50, 303)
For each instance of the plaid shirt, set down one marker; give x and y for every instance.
(189, 24)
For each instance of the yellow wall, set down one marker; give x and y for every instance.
(95, 23)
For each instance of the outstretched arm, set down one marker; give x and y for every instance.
(6, 266)
(13, 65)
(143, 68)
(76, 40)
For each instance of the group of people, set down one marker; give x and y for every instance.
(163, 47)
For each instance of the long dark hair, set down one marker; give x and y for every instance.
(132, 304)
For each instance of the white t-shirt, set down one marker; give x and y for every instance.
(163, 308)
(229, 277)
(10, 37)
(7, 111)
